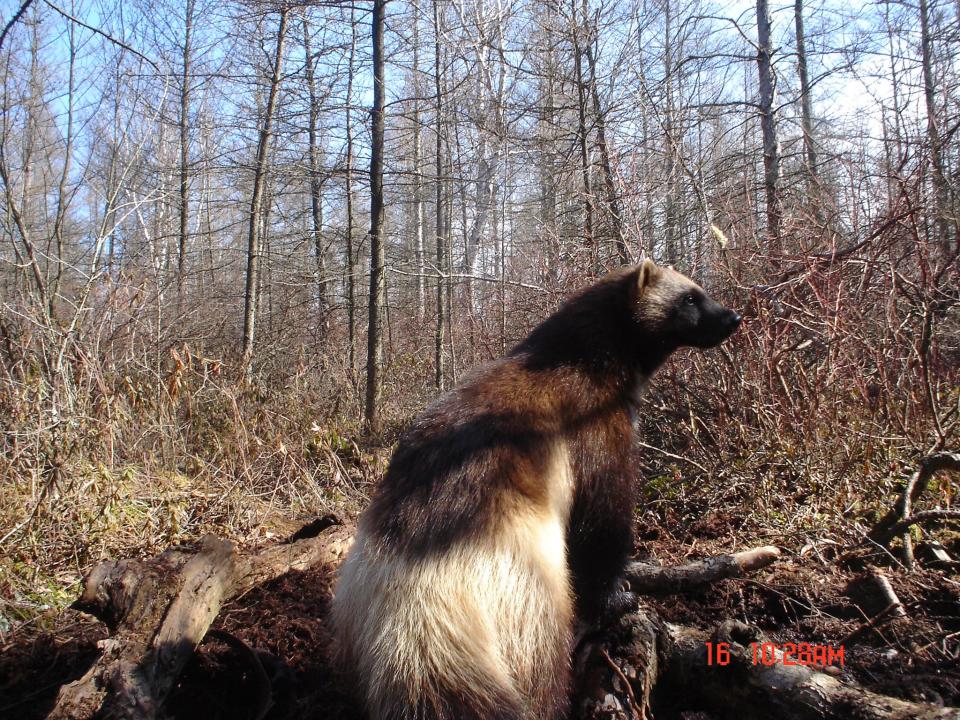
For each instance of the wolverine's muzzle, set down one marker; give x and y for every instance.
(717, 325)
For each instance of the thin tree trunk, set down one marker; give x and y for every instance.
(417, 171)
(62, 194)
(185, 145)
(251, 295)
(806, 102)
(613, 200)
(439, 359)
(670, 221)
(582, 130)
(768, 127)
(316, 187)
(940, 188)
(377, 261)
(351, 259)
(898, 134)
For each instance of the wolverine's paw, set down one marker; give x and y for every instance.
(618, 603)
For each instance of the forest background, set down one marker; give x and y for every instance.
(214, 315)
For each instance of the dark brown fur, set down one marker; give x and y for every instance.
(483, 451)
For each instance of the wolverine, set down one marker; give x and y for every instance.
(506, 511)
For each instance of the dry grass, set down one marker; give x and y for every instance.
(159, 468)
(802, 425)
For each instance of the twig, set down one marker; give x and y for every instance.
(925, 516)
(101, 33)
(675, 457)
(13, 20)
(872, 622)
(636, 709)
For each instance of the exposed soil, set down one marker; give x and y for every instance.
(808, 598)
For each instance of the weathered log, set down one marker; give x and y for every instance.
(647, 578)
(679, 665)
(753, 690)
(159, 610)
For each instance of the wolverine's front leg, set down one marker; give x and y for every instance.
(598, 554)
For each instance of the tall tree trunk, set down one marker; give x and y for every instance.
(806, 102)
(670, 143)
(316, 187)
(582, 129)
(896, 141)
(351, 256)
(185, 144)
(768, 127)
(944, 231)
(418, 229)
(613, 200)
(439, 357)
(63, 195)
(251, 295)
(548, 180)
(377, 261)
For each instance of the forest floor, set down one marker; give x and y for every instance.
(806, 597)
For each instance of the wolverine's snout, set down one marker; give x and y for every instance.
(716, 326)
(732, 321)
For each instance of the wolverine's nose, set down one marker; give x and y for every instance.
(733, 320)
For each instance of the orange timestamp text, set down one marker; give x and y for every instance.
(769, 653)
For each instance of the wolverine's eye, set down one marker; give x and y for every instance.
(689, 299)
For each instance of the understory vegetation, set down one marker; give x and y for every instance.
(186, 271)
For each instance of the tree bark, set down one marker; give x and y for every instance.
(252, 293)
(613, 200)
(945, 229)
(806, 102)
(754, 691)
(185, 79)
(351, 255)
(418, 228)
(439, 356)
(646, 578)
(316, 185)
(159, 610)
(768, 126)
(588, 231)
(670, 145)
(377, 285)
(901, 517)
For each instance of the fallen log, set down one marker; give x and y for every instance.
(646, 578)
(754, 690)
(647, 654)
(159, 610)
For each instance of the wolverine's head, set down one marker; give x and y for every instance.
(678, 310)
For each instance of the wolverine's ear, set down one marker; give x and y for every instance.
(648, 271)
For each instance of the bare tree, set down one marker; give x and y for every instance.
(945, 230)
(351, 257)
(316, 182)
(254, 250)
(768, 122)
(184, 122)
(418, 219)
(377, 259)
(576, 34)
(442, 309)
(806, 101)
